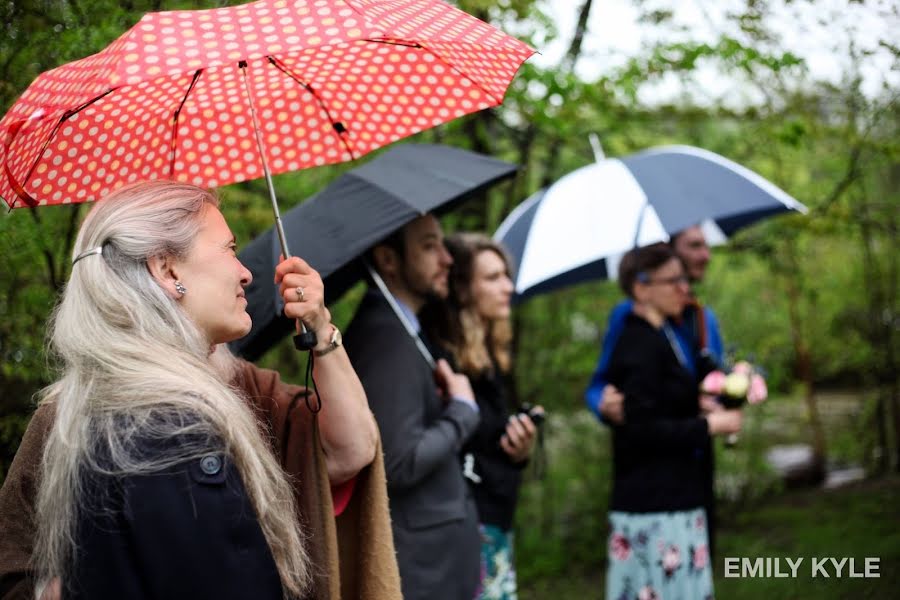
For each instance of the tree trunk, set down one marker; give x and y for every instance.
(804, 361)
(578, 38)
(877, 335)
(567, 67)
(895, 405)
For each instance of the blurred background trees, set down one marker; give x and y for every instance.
(811, 298)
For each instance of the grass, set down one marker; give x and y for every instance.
(858, 521)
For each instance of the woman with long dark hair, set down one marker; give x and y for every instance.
(473, 329)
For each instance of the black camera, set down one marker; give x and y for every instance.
(536, 415)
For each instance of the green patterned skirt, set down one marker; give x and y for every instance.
(498, 569)
(655, 556)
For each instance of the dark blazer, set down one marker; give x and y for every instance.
(657, 457)
(433, 516)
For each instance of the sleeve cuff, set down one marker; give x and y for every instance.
(341, 494)
(470, 403)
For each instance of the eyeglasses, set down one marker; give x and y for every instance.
(678, 279)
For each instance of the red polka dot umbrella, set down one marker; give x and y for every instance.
(226, 95)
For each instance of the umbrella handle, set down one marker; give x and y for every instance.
(306, 339)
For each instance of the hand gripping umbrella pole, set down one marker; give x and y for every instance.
(305, 339)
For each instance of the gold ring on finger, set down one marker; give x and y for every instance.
(300, 294)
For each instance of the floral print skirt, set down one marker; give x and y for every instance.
(498, 571)
(658, 556)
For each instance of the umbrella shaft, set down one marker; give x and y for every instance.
(307, 342)
(282, 239)
(265, 165)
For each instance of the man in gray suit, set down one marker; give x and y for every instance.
(424, 417)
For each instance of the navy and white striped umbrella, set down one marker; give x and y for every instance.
(578, 228)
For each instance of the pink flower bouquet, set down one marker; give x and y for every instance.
(742, 384)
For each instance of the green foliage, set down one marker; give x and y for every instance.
(12, 428)
(837, 523)
(562, 515)
(821, 287)
(753, 312)
(799, 524)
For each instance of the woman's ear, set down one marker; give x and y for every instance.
(639, 291)
(162, 269)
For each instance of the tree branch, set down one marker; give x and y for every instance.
(71, 229)
(578, 38)
(850, 175)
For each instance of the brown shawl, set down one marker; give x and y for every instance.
(353, 554)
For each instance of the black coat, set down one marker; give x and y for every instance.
(434, 519)
(495, 478)
(659, 463)
(188, 531)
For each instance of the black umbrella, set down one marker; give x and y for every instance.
(360, 208)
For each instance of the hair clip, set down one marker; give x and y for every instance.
(92, 251)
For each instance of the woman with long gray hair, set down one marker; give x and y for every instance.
(163, 472)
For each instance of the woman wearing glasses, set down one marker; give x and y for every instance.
(658, 545)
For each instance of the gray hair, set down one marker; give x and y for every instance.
(134, 366)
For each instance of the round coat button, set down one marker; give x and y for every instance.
(211, 464)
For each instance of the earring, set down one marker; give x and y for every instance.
(179, 287)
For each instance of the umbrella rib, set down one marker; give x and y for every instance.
(174, 148)
(395, 42)
(21, 186)
(17, 188)
(74, 111)
(640, 224)
(449, 65)
(338, 126)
